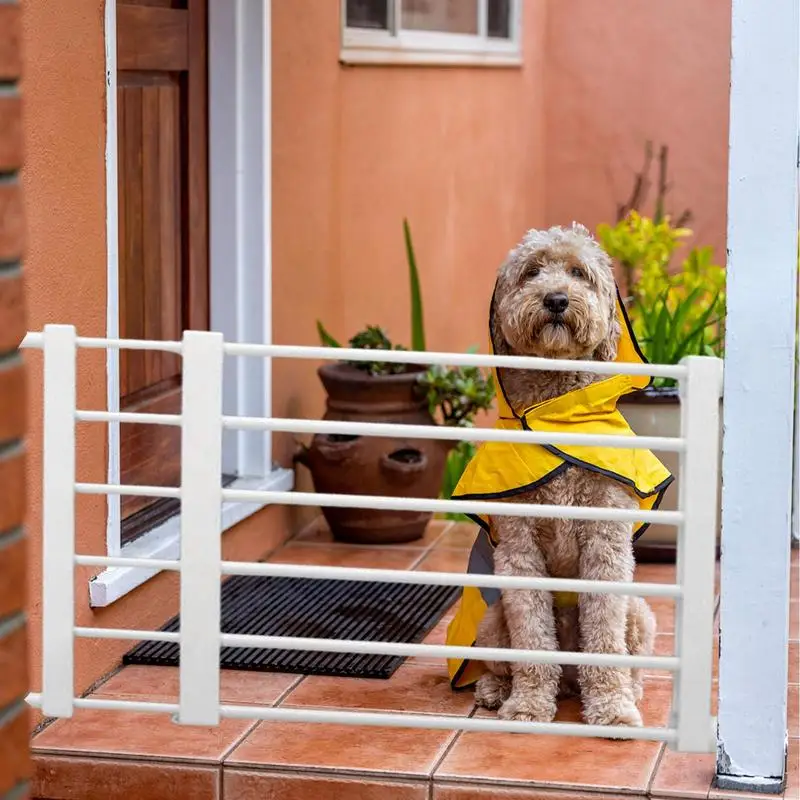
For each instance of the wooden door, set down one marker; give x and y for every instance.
(162, 78)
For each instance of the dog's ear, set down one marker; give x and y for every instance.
(499, 343)
(607, 349)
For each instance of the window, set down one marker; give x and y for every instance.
(431, 32)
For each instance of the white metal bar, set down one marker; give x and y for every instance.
(129, 489)
(438, 432)
(126, 634)
(400, 649)
(99, 343)
(694, 635)
(498, 508)
(386, 720)
(390, 356)
(453, 359)
(401, 503)
(135, 417)
(759, 393)
(359, 574)
(442, 722)
(448, 579)
(669, 663)
(58, 551)
(450, 433)
(128, 561)
(201, 527)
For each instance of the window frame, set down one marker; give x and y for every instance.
(399, 46)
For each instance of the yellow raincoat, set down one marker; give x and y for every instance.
(501, 470)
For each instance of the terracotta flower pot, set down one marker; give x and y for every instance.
(657, 412)
(372, 465)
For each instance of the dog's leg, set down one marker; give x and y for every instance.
(640, 637)
(530, 623)
(568, 641)
(607, 692)
(494, 686)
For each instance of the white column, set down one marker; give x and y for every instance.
(240, 214)
(759, 394)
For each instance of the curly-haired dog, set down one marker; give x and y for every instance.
(556, 297)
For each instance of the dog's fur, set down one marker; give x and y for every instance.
(569, 261)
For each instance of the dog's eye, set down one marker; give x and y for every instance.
(532, 271)
(577, 272)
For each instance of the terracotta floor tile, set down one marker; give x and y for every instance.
(161, 683)
(558, 761)
(59, 778)
(454, 791)
(348, 556)
(684, 775)
(664, 609)
(405, 752)
(655, 573)
(416, 687)
(443, 559)
(460, 536)
(794, 620)
(257, 785)
(794, 662)
(793, 771)
(318, 532)
(131, 734)
(793, 716)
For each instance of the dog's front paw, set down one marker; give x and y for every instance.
(492, 691)
(614, 709)
(528, 707)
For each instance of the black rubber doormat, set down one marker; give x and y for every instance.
(372, 612)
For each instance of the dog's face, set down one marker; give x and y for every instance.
(556, 297)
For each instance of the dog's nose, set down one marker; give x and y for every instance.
(556, 302)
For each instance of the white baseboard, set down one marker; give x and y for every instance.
(163, 542)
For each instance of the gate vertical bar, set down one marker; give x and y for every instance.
(759, 394)
(58, 525)
(201, 528)
(694, 621)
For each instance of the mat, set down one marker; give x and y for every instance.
(373, 612)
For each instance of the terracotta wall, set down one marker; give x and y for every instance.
(620, 72)
(14, 749)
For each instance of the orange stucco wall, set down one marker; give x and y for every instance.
(620, 72)
(472, 157)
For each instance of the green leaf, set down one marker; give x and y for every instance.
(417, 323)
(326, 339)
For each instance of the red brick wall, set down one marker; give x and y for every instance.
(14, 750)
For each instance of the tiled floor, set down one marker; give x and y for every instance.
(115, 755)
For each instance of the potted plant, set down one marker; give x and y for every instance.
(674, 313)
(378, 391)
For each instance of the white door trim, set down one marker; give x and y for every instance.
(240, 265)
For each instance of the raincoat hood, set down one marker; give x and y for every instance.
(503, 470)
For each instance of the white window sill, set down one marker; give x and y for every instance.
(163, 542)
(425, 48)
(421, 58)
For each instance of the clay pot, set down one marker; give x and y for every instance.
(371, 465)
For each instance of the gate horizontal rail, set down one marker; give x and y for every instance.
(201, 567)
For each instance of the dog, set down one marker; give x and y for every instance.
(556, 297)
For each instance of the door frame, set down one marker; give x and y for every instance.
(240, 258)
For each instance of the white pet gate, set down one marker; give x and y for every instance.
(691, 728)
